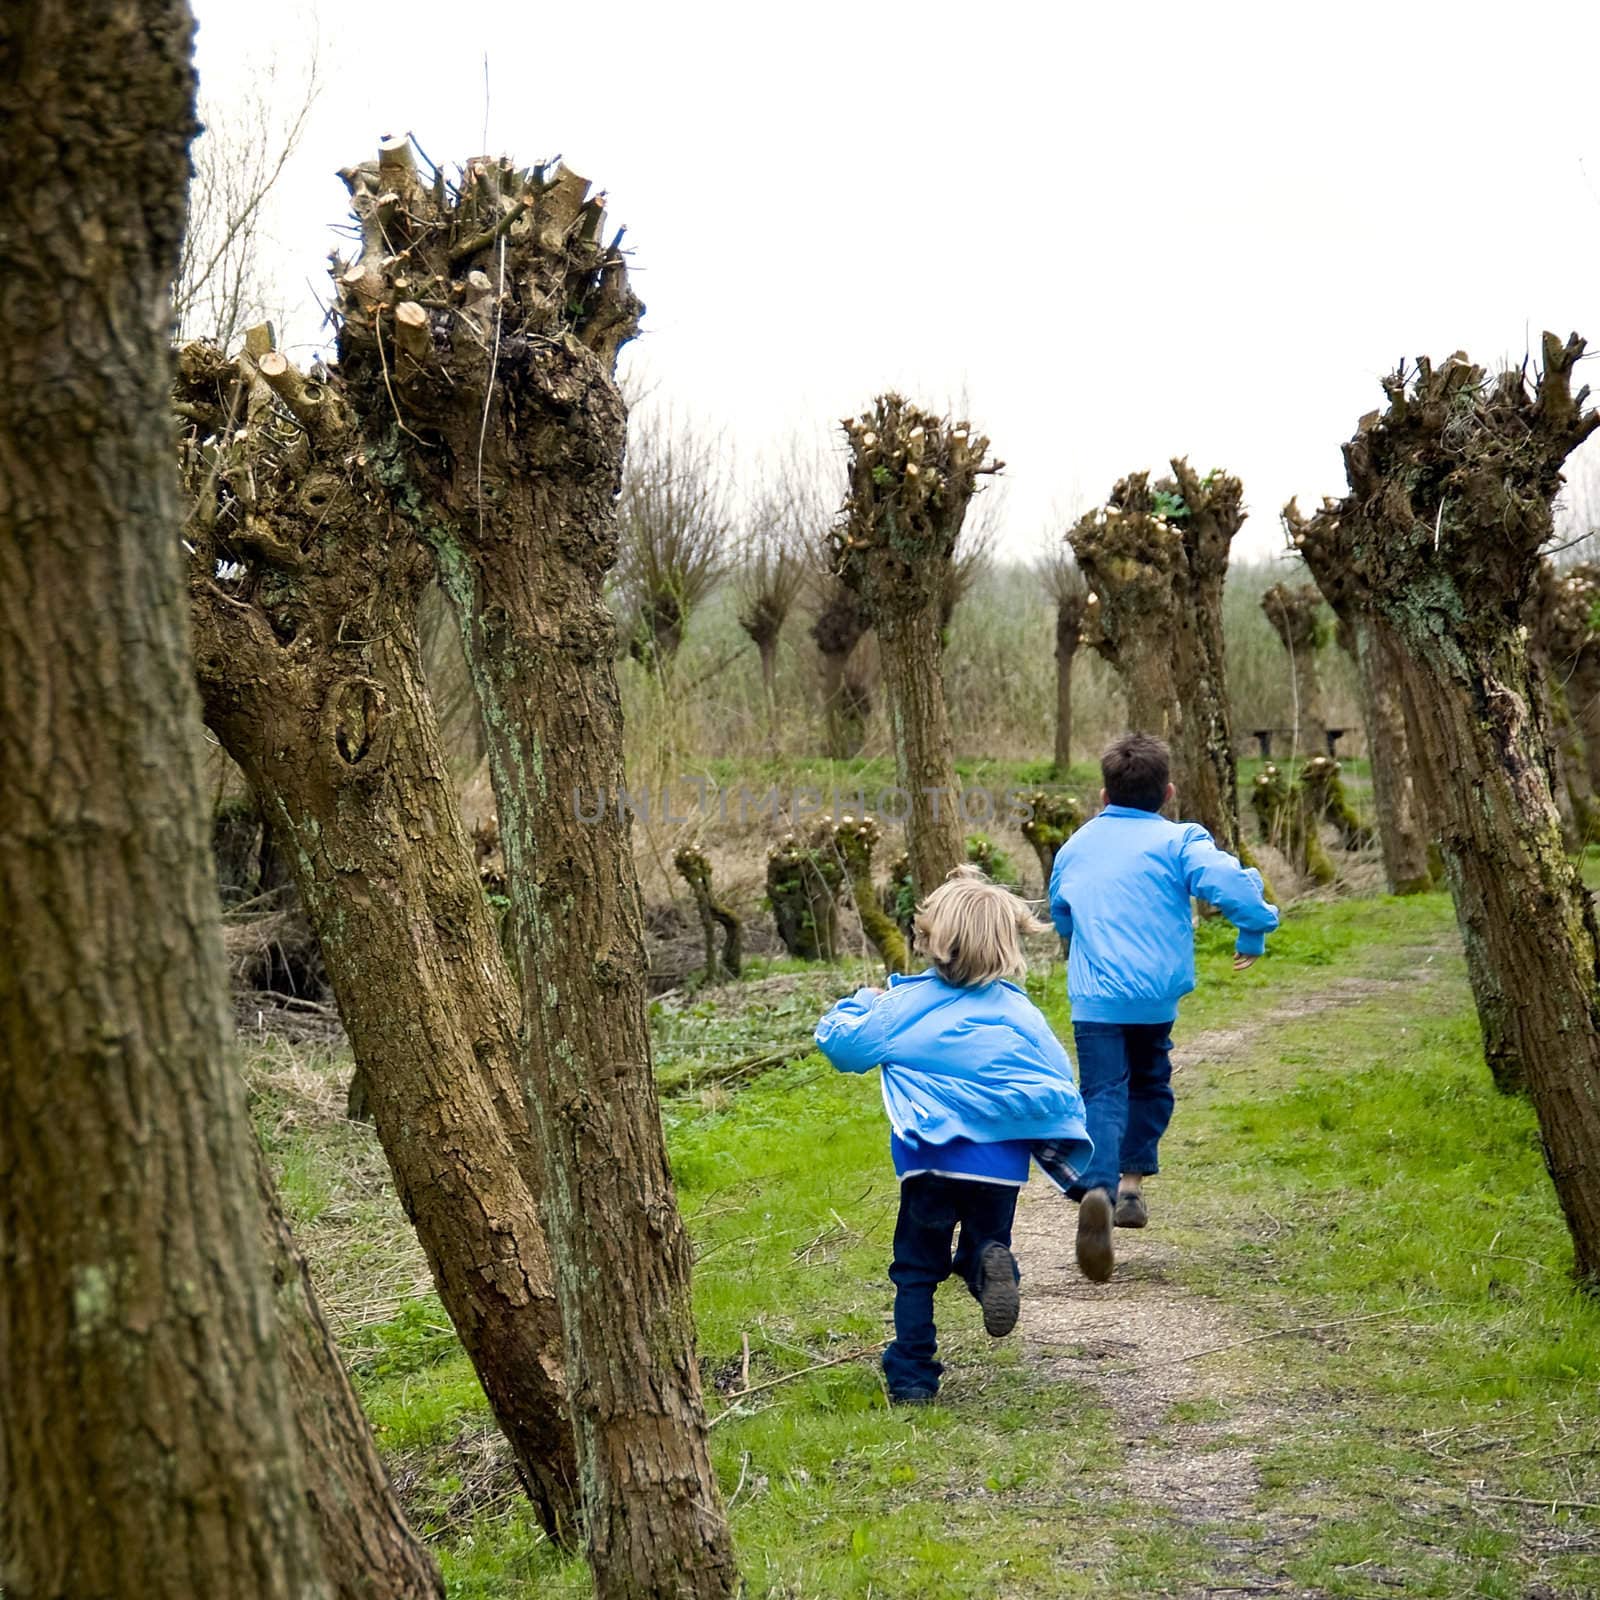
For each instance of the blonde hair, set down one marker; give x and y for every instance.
(971, 930)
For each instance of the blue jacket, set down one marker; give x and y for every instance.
(1120, 892)
(979, 1064)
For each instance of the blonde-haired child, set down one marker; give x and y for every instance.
(975, 1082)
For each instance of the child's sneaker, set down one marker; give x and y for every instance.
(1131, 1211)
(997, 1293)
(1095, 1256)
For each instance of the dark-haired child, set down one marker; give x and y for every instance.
(1121, 891)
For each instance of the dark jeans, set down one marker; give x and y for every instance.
(931, 1209)
(1125, 1077)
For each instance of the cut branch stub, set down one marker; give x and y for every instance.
(912, 477)
(1454, 481)
(1130, 553)
(489, 285)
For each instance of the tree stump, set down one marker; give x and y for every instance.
(803, 884)
(694, 867)
(1289, 824)
(855, 839)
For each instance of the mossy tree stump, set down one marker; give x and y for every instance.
(1326, 801)
(1053, 818)
(694, 867)
(803, 883)
(855, 839)
(1289, 823)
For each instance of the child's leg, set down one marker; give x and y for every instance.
(922, 1236)
(987, 1212)
(1150, 1099)
(1103, 1082)
(983, 1258)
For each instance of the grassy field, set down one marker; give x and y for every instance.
(1404, 1401)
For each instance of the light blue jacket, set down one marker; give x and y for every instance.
(1120, 892)
(979, 1063)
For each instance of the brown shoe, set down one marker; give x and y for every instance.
(1095, 1256)
(1131, 1211)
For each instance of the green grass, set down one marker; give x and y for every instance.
(1344, 1171)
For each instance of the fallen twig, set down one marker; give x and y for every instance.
(1529, 1500)
(789, 1377)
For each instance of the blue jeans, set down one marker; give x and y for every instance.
(931, 1209)
(1125, 1077)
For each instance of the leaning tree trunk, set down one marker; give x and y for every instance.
(310, 669)
(1451, 489)
(368, 1549)
(498, 405)
(1381, 665)
(912, 476)
(147, 1434)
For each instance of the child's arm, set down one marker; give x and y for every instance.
(1216, 877)
(854, 1035)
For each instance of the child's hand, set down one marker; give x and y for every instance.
(1243, 962)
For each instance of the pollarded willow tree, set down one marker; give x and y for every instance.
(1295, 612)
(838, 630)
(1381, 666)
(1451, 488)
(304, 585)
(912, 477)
(1156, 559)
(1069, 594)
(479, 328)
(855, 839)
(147, 1432)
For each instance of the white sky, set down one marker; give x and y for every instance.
(1122, 230)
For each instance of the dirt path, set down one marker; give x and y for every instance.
(1192, 1388)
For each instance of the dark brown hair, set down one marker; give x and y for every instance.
(1136, 770)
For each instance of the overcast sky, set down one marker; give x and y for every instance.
(1124, 231)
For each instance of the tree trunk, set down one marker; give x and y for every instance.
(1067, 638)
(924, 754)
(520, 507)
(337, 735)
(368, 1548)
(1403, 834)
(768, 651)
(147, 1435)
(1486, 781)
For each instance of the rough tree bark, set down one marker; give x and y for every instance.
(304, 589)
(1296, 617)
(480, 327)
(1381, 664)
(147, 1436)
(1450, 495)
(912, 477)
(368, 1548)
